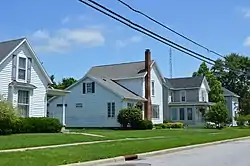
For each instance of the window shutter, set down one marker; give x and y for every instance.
(93, 87)
(14, 68)
(29, 70)
(83, 88)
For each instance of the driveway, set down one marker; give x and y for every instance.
(228, 154)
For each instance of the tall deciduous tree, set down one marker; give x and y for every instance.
(236, 77)
(65, 83)
(216, 92)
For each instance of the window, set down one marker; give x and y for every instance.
(111, 109)
(189, 114)
(203, 95)
(130, 105)
(60, 105)
(88, 87)
(172, 96)
(182, 114)
(78, 105)
(22, 68)
(183, 96)
(23, 102)
(174, 113)
(153, 88)
(155, 112)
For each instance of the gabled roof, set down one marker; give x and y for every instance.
(227, 92)
(119, 71)
(185, 82)
(7, 46)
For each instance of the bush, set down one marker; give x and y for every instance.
(217, 114)
(37, 125)
(241, 120)
(210, 125)
(167, 121)
(7, 117)
(145, 125)
(169, 125)
(130, 116)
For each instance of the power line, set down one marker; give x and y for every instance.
(139, 26)
(170, 29)
(148, 34)
(174, 31)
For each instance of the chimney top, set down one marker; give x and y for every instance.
(147, 50)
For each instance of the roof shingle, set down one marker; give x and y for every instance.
(185, 82)
(7, 46)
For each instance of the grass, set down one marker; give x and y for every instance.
(65, 155)
(30, 140)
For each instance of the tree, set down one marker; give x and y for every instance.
(65, 83)
(236, 77)
(217, 114)
(216, 93)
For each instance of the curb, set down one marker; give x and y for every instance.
(154, 153)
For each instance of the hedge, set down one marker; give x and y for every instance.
(169, 125)
(36, 125)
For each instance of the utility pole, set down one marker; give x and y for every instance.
(170, 63)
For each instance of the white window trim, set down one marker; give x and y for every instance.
(87, 87)
(17, 68)
(29, 104)
(203, 92)
(111, 110)
(185, 94)
(158, 111)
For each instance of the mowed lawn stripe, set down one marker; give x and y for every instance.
(58, 156)
(31, 140)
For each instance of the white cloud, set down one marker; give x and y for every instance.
(247, 42)
(246, 12)
(40, 34)
(125, 42)
(63, 40)
(76, 18)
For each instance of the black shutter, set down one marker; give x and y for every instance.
(93, 87)
(83, 88)
(29, 70)
(14, 67)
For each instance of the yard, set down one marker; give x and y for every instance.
(31, 140)
(64, 155)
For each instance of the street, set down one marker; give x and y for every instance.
(228, 154)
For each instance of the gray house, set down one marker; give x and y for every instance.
(232, 101)
(186, 99)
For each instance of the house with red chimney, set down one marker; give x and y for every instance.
(96, 99)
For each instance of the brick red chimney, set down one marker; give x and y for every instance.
(148, 105)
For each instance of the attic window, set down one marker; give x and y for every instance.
(88, 87)
(22, 68)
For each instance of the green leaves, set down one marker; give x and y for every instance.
(217, 113)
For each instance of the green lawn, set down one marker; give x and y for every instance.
(64, 155)
(30, 140)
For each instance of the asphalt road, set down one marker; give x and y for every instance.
(228, 154)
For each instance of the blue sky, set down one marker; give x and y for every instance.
(70, 37)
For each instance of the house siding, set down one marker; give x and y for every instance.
(37, 96)
(94, 110)
(5, 77)
(192, 95)
(135, 85)
(203, 88)
(157, 99)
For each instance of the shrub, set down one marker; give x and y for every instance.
(169, 125)
(241, 120)
(217, 114)
(145, 125)
(37, 125)
(7, 117)
(167, 121)
(130, 116)
(210, 125)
